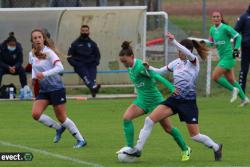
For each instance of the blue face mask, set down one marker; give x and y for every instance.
(11, 48)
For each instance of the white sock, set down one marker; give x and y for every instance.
(46, 120)
(206, 141)
(70, 125)
(144, 133)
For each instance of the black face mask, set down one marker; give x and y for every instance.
(84, 35)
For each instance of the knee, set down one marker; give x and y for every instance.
(168, 129)
(215, 77)
(36, 115)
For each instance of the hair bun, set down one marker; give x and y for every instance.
(11, 34)
(125, 45)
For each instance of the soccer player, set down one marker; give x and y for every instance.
(148, 97)
(185, 71)
(46, 67)
(223, 74)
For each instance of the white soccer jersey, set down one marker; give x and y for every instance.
(51, 67)
(185, 73)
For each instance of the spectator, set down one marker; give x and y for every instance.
(243, 27)
(84, 56)
(11, 59)
(65, 3)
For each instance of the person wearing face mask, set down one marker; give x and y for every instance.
(84, 56)
(11, 59)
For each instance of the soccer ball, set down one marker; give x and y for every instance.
(124, 157)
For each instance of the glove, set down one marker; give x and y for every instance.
(236, 53)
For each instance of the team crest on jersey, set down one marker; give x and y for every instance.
(89, 45)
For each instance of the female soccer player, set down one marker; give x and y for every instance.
(46, 67)
(185, 71)
(223, 74)
(148, 97)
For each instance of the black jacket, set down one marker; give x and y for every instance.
(11, 58)
(243, 27)
(85, 50)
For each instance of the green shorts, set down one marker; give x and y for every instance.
(147, 107)
(226, 64)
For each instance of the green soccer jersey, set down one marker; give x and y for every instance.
(145, 83)
(221, 37)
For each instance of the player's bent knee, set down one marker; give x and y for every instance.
(35, 115)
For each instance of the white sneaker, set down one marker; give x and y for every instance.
(234, 94)
(244, 102)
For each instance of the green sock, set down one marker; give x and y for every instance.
(241, 93)
(225, 83)
(179, 139)
(128, 128)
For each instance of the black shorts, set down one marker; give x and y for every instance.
(55, 97)
(186, 109)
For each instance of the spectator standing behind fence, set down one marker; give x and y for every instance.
(65, 3)
(243, 27)
(11, 59)
(84, 56)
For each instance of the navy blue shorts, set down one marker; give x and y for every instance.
(186, 109)
(55, 97)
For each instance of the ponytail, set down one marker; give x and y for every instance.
(202, 49)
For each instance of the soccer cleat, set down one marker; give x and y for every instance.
(218, 153)
(185, 155)
(80, 143)
(134, 152)
(244, 102)
(95, 90)
(59, 134)
(234, 94)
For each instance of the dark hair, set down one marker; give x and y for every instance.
(85, 26)
(11, 38)
(248, 9)
(126, 49)
(221, 15)
(201, 49)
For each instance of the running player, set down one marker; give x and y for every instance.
(46, 67)
(185, 71)
(148, 97)
(223, 74)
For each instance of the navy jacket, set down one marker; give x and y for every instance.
(11, 58)
(85, 50)
(243, 27)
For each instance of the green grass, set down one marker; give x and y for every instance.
(100, 121)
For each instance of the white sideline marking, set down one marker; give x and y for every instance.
(50, 154)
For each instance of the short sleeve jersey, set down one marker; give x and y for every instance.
(50, 83)
(145, 84)
(221, 37)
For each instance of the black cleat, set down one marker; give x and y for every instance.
(133, 152)
(218, 153)
(95, 90)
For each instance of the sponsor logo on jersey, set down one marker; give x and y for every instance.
(141, 84)
(219, 42)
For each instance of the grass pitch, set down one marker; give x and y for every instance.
(100, 121)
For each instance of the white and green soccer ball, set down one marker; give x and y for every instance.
(122, 157)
